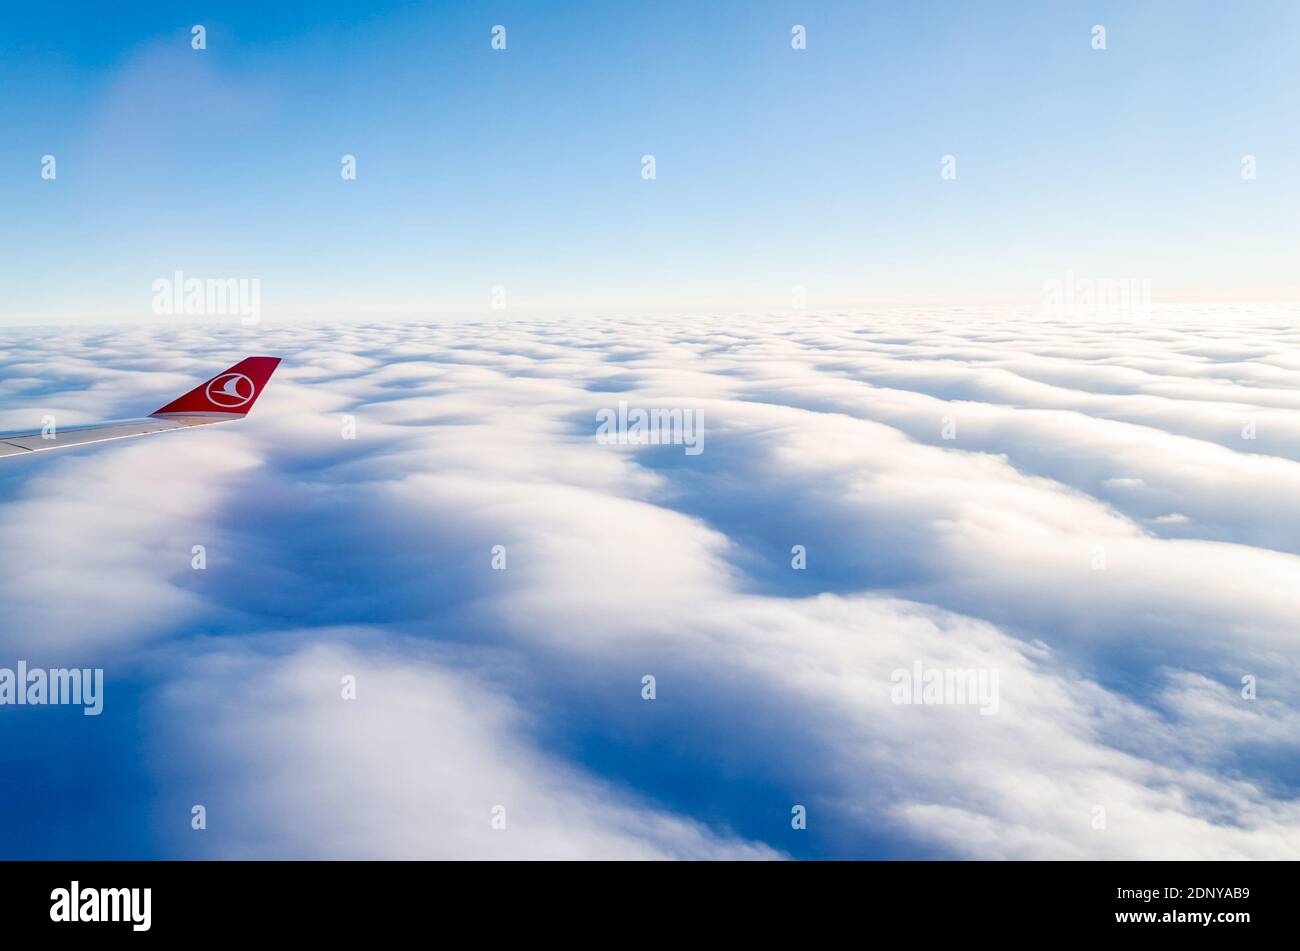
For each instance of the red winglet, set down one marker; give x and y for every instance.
(231, 392)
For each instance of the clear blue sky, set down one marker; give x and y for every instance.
(522, 168)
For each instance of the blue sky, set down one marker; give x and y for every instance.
(521, 168)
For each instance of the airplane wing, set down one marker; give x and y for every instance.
(228, 395)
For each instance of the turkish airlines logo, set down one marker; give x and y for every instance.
(230, 391)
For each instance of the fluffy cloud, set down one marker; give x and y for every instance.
(1095, 516)
(425, 762)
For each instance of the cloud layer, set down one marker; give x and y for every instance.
(1100, 514)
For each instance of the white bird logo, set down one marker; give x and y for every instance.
(230, 390)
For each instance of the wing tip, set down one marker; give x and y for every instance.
(232, 392)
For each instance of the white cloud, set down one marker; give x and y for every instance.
(1098, 532)
(418, 765)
